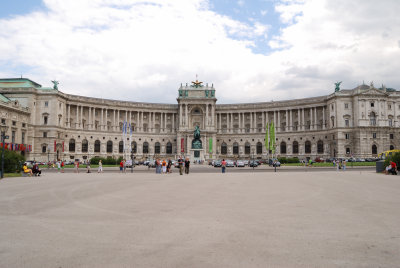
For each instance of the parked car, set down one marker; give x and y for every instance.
(319, 160)
(217, 163)
(239, 163)
(230, 163)
(253, 163)
(246, 162)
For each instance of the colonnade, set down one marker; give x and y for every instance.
(310, 118)
(109, 119)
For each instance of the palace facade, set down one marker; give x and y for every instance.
(359, 122)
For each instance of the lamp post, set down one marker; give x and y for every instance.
(48, 153)
(3, 129)
(253, 164)
(132, 160)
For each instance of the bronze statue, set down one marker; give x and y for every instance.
(197, 132)
(55, 84)
(337, 86)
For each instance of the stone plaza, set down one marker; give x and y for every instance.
(284, 219)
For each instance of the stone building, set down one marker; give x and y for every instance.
(359, 122)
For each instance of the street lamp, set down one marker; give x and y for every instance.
(132, 160)
(3, 129)
(48, 153)
(253, 164)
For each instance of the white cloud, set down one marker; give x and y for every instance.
(142, 51)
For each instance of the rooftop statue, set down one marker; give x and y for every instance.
(55, 84)
(337, 86)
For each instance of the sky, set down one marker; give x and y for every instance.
(251, 51)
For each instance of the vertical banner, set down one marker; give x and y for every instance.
(210, 147)
(63, 146)
(55, 145)
(182, 145)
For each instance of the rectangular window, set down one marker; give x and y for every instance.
(347, 136)
(391, 136)
(44, 148)
(23, 125)
(46, 104)
(390, 122)
(390, 107)
(45, 120)
(347, 150)
(374, 135)
(372, 104)
(346, 122)
(3, 121)
(44, 134)
(23, 137)
(13, 136)
(346, 106)
(14, 123)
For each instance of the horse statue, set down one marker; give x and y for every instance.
(196, 133)
(55, 84)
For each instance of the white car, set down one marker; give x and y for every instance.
(240, 163)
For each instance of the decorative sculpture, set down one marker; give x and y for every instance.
(55, 84)
(337, 86)
(196, 143)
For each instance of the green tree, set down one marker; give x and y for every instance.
(12, 161)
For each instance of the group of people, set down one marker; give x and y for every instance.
(163, 166)
(391, 168)
(34, 171)
(340, 164)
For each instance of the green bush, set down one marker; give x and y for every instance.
(282, 160)
(13, 161)
(106, 161)
(293, 160)
(95, 160)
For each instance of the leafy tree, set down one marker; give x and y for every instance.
(13, 161)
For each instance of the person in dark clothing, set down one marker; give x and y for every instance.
(36, 170)
(187, 165)
(180, 163)
(169, 165)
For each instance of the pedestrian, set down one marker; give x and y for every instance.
(36, 170)
(223, 165)
(344, 165)
(58, 166)
(100, 168)
(187, 165)
(76, 166)
(121, 166)
(62, 166)
(158, 166)
(169, 165)
(87, 166)
(164, 166)
(180, 164)
(124, 165)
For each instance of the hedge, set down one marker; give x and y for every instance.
(13, 161)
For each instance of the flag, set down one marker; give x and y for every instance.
(182, 145)
(55, 145)
(272, 138)
(210, 145)
(62, 146)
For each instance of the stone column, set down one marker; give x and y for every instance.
(323, 117)
(315, 118)
(114, 127)
(90, 118)
(279, 121)
(287, 121)
(220, 119)
(77, 117)
(298, 120)
(180, 115)
(94, 118)
(69, 115)
(275, 119)
(311, 119)
(240, 122)
(81, 118)
(251, 122)
(101, 120)
(291, 119)
(303, 122)
(213, 115)
(173, 122)
(263, 120)
(141, 120)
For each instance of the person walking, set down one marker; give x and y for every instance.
(164, 166)
(100, 169)
(344, 165)
(223, 165)
(76, 166)
(169, 166)
(180, 164)
(87, 166)
(58, 166)
(121, 166)
(124, 165)
(187, 165)
(62, 166)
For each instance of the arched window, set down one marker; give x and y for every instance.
(146, 147)
(283, 147)
(71, 145)
(259, 148)
(121, 147)
(374, 149)
(320, 147)
(224, 148)
(169, 148)
(372, 119)
(157, 148)
(84, 146)
(109, 146)
(295, 147)
(391, 147)
(235, 148)
(97, 146)
(133, 144)
(247, 148)
(307, 147)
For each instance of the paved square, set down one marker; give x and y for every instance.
(284, 219)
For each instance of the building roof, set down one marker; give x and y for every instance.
(4, 98)
(18, 82)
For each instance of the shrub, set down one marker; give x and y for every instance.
(395, 158)
(95, 160)
(13, 161)
(282, 160)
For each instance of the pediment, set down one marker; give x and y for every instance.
(376, 92)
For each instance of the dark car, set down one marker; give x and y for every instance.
(253, 163)
(218, 163)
